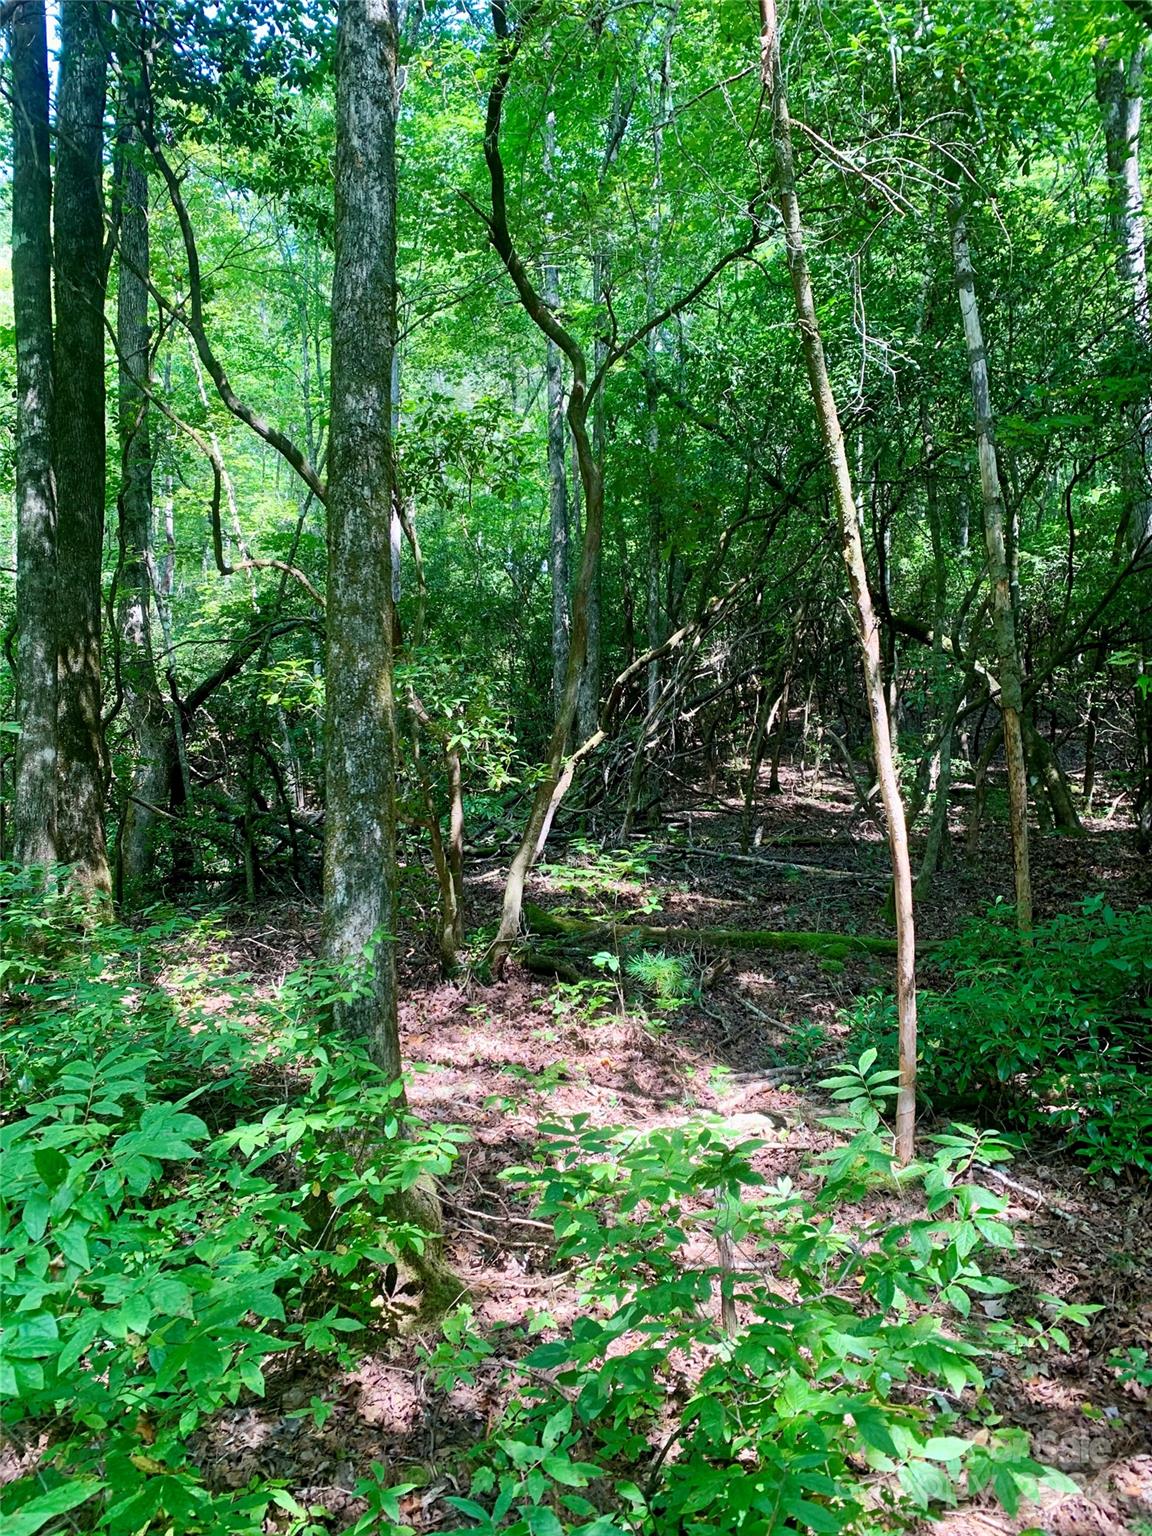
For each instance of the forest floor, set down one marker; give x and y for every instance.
(500, 1059)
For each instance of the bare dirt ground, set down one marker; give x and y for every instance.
(499, 1059)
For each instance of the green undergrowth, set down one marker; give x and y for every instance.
(1052, 1037)
(196, 1186)
(751, 1356)
(196, 1196)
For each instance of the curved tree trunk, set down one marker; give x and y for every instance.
(832, 435)
(34, 808)
(80, 442)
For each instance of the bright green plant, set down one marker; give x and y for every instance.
(181, 1205)
(743, 1356)
(1049, 1036)
(666, 978)
(1132, 1364)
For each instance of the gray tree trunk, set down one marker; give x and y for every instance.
(999, 569)
(1119, 90)
(34, 808)
(79, 434)
(558, 527)
(149, 785)
(360, 825)
(588, 698)
(867, 629)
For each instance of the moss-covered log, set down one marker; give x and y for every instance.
(587, 931)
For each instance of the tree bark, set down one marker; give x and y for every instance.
(1119, 90)
(867, 631)
(360, 825)
(34, 806)
(999, 573)
(558, 530)
(79, 437)
(149, 782)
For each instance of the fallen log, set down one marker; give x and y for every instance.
(585, 930)
(824, 871)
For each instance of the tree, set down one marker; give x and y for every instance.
(360, 827)
(1010, 688)
(852, 549)
(150, 783)
(34, 811)
(79, 443)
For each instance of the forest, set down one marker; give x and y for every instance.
(575, 768)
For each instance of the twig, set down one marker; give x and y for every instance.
(520, 1221)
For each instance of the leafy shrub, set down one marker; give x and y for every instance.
(743, 1359)
(1055, 1036)
(185, 1198)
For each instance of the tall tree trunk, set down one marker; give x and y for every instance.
(999, 573)
(1119, 90)
(34, 807)
(149, 784)
(359, 725)
(558, 527)
(79, 435)
(360, 825)
(937, 840)
(588, 698)
(867, 631)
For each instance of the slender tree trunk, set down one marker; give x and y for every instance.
(360, 825)
(558, 530)
(149, 782)
(832, 434)
(938, 823)
(588, 698)
(1119, 90)
(999, 573)
(79, 433)
(34, 805)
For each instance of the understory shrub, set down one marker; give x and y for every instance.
(749, 1357)
(197, 1184)
(1049, 1037)
(194, 1183)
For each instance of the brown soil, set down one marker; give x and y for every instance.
(499, 1059)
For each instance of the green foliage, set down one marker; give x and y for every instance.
(1050, 1036)
(804, 1043)
(191, 1192)
(665, 978)
(595, 871)
(744, 1359)
(1133, 1365)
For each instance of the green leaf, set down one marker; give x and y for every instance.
(541, 1521)
(947, 1448)
(29, 1518)
(51, 1165)
(36, 1217)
